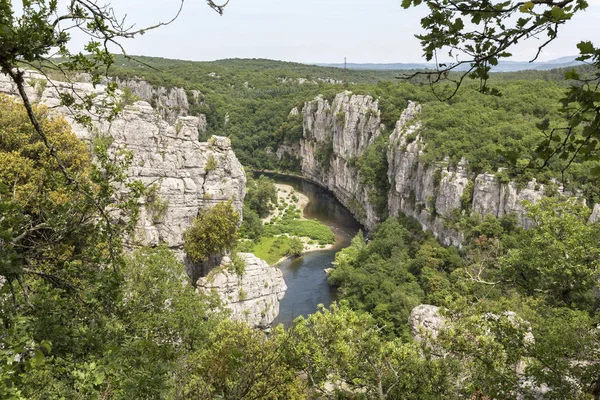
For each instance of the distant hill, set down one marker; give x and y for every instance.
(503, 66)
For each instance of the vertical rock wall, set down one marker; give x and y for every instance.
(252, 297)
(431, 193)
(188, 176)
(335, 135)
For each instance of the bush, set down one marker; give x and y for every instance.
(213, 232)
(211, 164)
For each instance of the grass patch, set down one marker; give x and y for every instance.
(302, 228)
(273, 248)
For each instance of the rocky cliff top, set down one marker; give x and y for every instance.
(336, 133)
(253, 296)
(187, 175)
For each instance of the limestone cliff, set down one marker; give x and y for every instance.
(187, 175)
(335, 134)
(433, 193)
(252, 297)
(170, 103)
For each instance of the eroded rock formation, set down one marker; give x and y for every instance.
(186, 176)
(252, 297)
(336, 134)
(169, 103)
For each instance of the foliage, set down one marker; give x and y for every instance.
(240, 363)
(324, 153)
(388, 277)
(274, 248)
(291, 224)
(155, 204)
(487, 34)
(214, 231)
(261, 194)
(238, 264)
(559, 257)
(211, 164)
(373, 167)
(340, 346)
(252, 226)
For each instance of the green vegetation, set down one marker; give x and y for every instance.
(393, 273)
(213, 232)
(273, 248)
(291, 224)
(211, 164)
(491, 36)
(280, 236)
(261, 195)
(490, 132)
(373, 167)
(81, 319)
(155, 204)
(545, 275)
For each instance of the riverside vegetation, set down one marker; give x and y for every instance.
(83, 319)
(280, 236)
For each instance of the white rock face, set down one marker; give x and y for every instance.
(170, 103)
(425, 321)
(595, 217)
(344, 128)
(189, 176)
(253, 297)
(166, 155)
(431, 193)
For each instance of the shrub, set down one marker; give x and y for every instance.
(211, 164)
(213, 232)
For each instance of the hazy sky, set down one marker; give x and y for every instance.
(308, 31)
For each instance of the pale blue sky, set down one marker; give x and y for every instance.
(308, 31)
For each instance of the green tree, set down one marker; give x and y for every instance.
(252, 226)
(261, 195)
(480, 33)
(213, 232)
(240, 363)
(559, 257)
(345, 350)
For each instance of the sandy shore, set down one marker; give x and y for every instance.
(287, 194)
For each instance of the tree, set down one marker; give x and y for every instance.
(559, 257)
(60, 245)
(343, 352)
(213, 232)
(488, 32)
(240, 363)
(261, 195)
(37, 37)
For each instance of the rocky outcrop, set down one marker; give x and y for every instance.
(595, 217)
(335, 134)
(433, 193)
(170, 103)
(187, 175)
(426, 321)
(252, 297)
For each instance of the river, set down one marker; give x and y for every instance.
(305, 276)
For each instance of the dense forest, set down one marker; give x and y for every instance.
(250, 101)
(511, 313)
